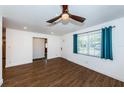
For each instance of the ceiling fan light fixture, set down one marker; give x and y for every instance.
(65, 16)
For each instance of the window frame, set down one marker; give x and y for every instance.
(99, 31)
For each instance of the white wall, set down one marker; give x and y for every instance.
(1, 80)
(19, 48)
(38, 48)
(113, 68)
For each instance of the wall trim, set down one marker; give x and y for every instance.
(16, 65)
(111, 76)
(13, 65)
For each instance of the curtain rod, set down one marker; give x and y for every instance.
(94, 30)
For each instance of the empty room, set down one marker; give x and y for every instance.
(61, 45)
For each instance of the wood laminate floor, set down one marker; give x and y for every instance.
(56, 73)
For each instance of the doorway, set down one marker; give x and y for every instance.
(39, 48)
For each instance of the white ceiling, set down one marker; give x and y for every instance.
(35, 17)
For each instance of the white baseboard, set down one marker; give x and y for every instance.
(1, 82)
(109, 75)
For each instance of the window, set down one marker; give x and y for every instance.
(89, 43)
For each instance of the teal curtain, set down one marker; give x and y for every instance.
(106, 45)
(75, 37)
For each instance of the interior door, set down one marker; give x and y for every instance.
(38, 48)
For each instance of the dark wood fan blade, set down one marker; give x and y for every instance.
(65, 8)
(77, 18)
(54, 19)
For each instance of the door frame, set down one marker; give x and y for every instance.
(3, 52)
(45, 48)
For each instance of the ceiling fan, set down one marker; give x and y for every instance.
(65, 15)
